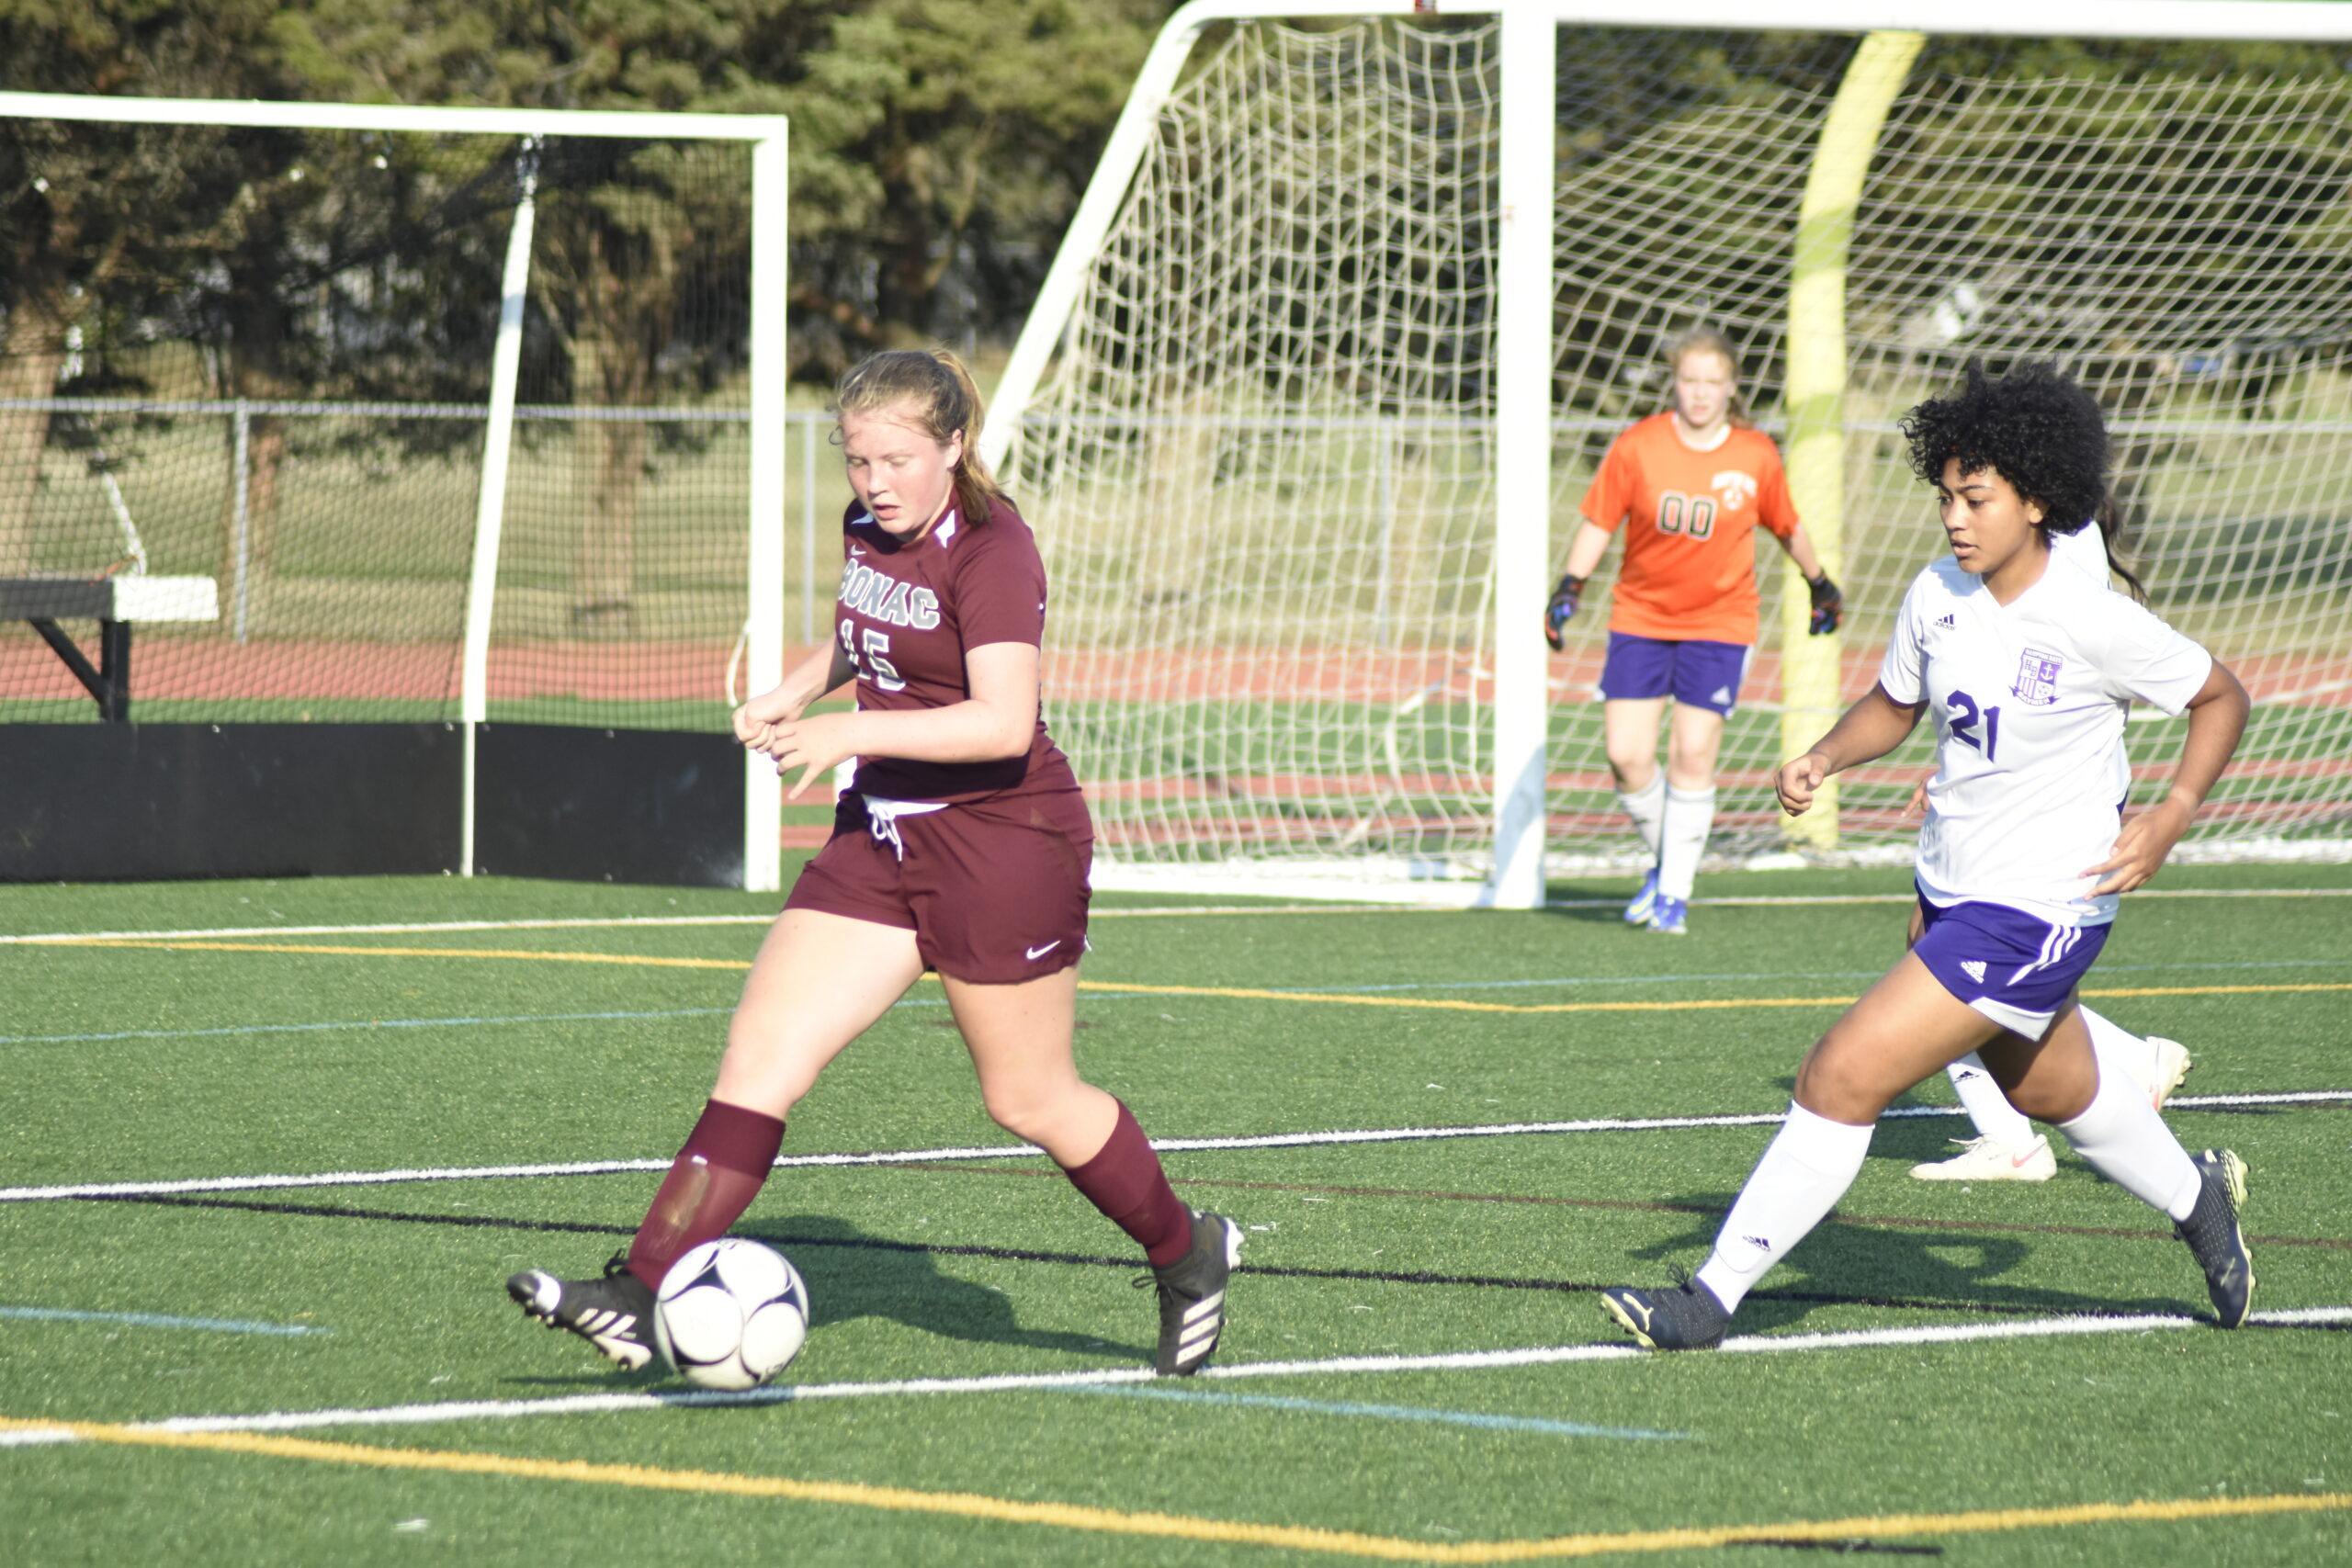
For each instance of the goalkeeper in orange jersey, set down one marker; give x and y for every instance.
(1688, 485)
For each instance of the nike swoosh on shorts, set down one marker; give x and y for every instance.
(1036, 953)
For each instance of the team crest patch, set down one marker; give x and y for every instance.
(2038, 677)
(1734, 487)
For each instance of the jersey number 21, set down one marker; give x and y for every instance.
(1965, 713)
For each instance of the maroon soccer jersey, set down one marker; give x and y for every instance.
(906, 615)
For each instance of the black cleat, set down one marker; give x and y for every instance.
(614, 1314)
(2214, 1237)
(1192, 1295)
(1687, 1318)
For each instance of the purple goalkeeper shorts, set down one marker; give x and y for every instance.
(2015, 969)
(1697, 674)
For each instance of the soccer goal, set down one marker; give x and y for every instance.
(408, 422)
(1361, 293)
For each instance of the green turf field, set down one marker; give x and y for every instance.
(2081, 1420)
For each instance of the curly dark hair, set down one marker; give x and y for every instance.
(2035, 427)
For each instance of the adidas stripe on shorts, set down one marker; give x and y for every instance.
(2015, 969)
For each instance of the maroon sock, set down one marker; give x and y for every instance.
(711, 1183)
(1125, 1182)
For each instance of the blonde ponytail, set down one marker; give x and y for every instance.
(938, 387)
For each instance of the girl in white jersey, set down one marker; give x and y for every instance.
(2027, 671)
(2006, 1148)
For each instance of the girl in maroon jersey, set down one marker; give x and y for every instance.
(962, 846)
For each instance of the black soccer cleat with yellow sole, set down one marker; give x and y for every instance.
(1192, 1295)
(2214, 1239)
(1687, 1318)
(614, 1314)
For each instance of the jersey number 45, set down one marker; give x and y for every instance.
(873, 661)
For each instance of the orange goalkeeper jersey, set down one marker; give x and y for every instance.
(1689, 569)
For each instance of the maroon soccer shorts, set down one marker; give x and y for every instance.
(994, 890)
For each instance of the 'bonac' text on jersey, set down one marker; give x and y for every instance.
(880, 598)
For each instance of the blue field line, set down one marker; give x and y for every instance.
(152, 1320)
(1385, 1413)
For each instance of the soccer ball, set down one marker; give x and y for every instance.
(730, 1314)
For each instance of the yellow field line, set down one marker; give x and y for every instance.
(2211, 990)
(1181, 1527)
(642, 960)
(1452, 1004)
(1425, 1004)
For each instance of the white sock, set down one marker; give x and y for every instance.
(2120, 1137)
(1689, 817)
(1646, 806)
(1986, 1106)
(2118, 1049)
(1802, 1175)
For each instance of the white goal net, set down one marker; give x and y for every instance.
(1262, 457)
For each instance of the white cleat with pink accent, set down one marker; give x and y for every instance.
(1988, 1160)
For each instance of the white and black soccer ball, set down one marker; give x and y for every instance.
(731, 1314)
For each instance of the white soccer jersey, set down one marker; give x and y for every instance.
(2084, 550)
(2029, 702)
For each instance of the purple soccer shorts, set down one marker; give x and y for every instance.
(1697, 674)
(2015, 969)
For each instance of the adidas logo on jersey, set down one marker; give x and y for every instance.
(1974, 968)
(1947, 621)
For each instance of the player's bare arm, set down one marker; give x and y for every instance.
(1585, 552)
(826, 670)
(2217, 717)
(1798, 547)
(1869, 730)
(998, 720)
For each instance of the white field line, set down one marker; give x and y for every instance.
(1023, 1151)
(1461, 1360)
(647, 922)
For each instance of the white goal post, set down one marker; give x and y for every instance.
(1348, 309)
(763, 367)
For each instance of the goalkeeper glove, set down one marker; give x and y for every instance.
(1829, 605)
(1562, 608)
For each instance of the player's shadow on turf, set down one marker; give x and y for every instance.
(852, 1274)
(1914, 1140)
(1861, 1263)
(1593, 905)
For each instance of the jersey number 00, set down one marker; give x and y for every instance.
(1693, 516)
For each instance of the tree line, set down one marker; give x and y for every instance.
(937, 150)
